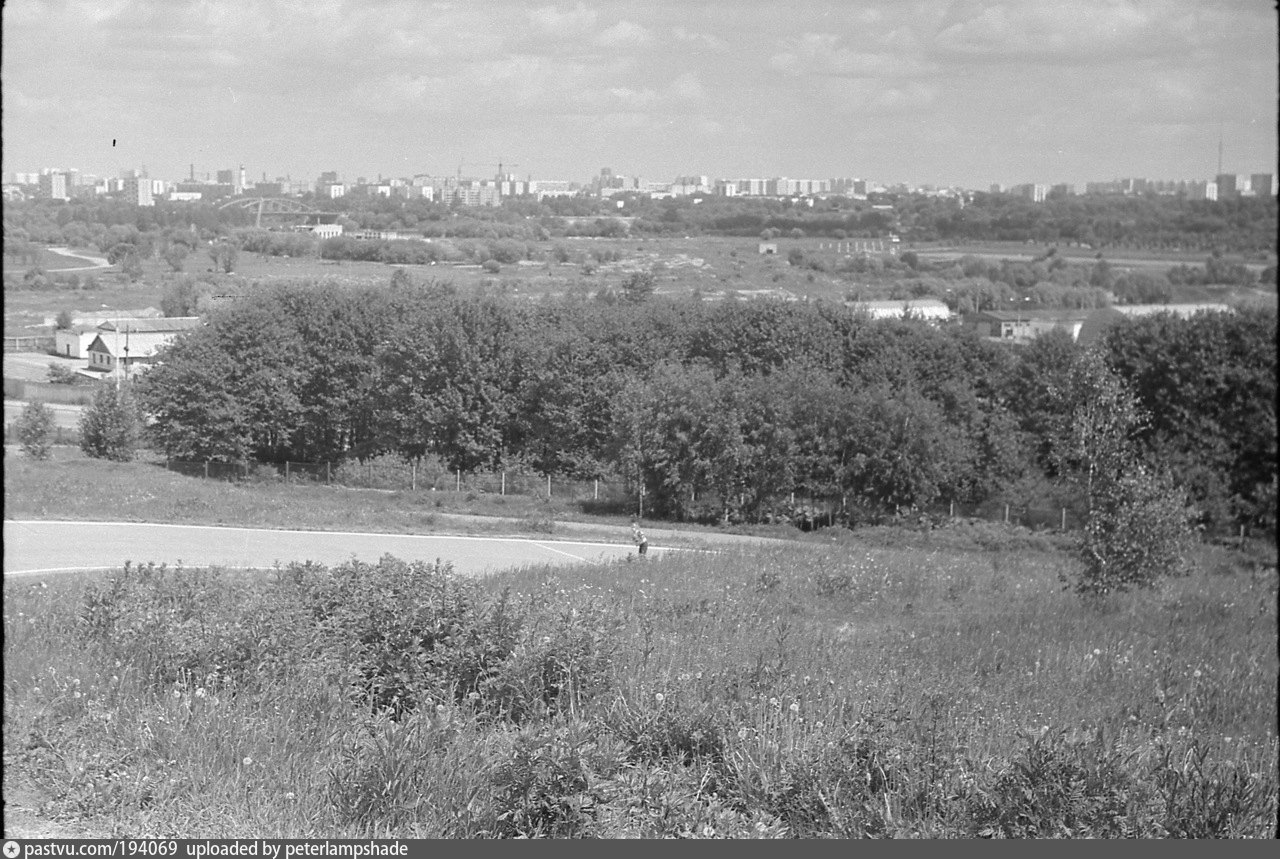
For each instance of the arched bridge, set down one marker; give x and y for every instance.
(276, 207)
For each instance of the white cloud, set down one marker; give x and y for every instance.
(624, 34)
(576, 21)
(704, 41)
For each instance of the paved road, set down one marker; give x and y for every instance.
(37, 547)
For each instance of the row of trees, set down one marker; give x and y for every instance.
(731, 405)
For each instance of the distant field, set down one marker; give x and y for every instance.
(709, 267)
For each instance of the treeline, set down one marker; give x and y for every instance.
(717, 411)
(1243, 225)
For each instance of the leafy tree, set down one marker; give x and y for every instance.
(1137, 521)
(65, 320)
(34, 427)
(224, 253)
(175, 254)
(111, 427)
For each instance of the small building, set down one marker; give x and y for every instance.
(926, 309)
(74, 342)
(1023, 326)
(768, 247)
(121, 345)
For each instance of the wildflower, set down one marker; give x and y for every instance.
(1097, 652)
(773, 702)
(291, 796)
(1195, 673)
(708, 831)
(659, 697)
(742, 733)
(440, 709)
(795, 706)
(200, 692)
(473, 696)
(177, 693)
(248, 761)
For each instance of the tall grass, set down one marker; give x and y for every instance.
(936, 689)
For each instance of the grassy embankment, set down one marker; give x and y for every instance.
(884, 683)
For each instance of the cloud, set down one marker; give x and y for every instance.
(703, 41)
(624, 34)
(574, 22)
(828, 54)
(1076, 30)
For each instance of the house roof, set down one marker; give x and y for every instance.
(133, 344)
(169, 324)
(1033, 315)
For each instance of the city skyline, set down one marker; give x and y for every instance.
(893, 91)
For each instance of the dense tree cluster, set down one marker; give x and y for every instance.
(717, 410)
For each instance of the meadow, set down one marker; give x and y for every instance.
(873, 683)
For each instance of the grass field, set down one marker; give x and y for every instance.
(874, 683)
(708, 267)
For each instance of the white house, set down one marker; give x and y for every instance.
(74, 342)
(133, 342)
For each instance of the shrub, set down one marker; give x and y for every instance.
(417, 634)
(60, 375)
(111, 427)
(34, 427)
(541, 790)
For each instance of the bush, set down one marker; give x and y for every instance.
(34, 427)
(1137, 532)
(111, 428)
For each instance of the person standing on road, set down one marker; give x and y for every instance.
(642, 542)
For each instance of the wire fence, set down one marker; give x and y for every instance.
(605, 496)
(407, 477)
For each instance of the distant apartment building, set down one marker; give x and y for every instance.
(53, 185)
(553, 188)
(1033, 192)
(331, 191)
(1231, 185)
(1263, 184)
(136, 188)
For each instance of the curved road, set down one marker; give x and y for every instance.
(98, 262)
(38, 547)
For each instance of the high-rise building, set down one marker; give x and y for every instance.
(1231, 185)
(136, 188)
(1263, 184)
(53, 185)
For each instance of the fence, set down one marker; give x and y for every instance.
(36, 343)
(49, 392)
(411, 477)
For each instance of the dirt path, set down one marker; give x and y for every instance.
(98, 262)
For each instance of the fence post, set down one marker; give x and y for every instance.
(371, 475)
(503, 491)
(1064, 518)
(328, 472)
(286, 469)
(413, 476)
(1006, 514)
(458, 487)
(596, 492)
(548, 485)
(206, 469)
(953, 510)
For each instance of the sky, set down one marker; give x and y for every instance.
(965, 93)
